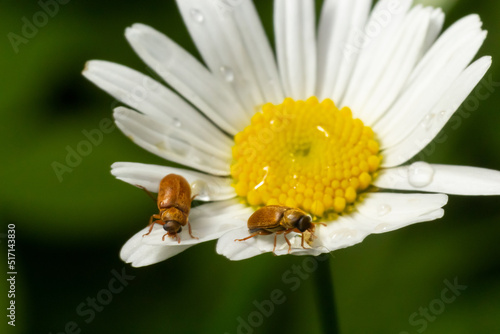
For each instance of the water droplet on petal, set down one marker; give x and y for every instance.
(420, 174)
(382, 227)
(197, 15)
(343, 234)
(177, 123)
(201, 189)
(227, 73)
(161, 146)
(383, 210)
(427, 122)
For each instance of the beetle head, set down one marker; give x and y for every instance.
(172, 227)
(296, 218)
(304, 223)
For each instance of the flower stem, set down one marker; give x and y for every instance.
(326, 298)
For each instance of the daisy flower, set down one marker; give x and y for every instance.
(327, 124)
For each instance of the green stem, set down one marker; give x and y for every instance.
(326, 298)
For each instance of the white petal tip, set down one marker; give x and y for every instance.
(119, 111)
(86, 67)
(442, 199)
(486, 59)
(131, 31)
(139, 254)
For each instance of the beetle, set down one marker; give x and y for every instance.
(174, 203)
(279, 220)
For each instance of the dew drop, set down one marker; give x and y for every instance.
(227, 73)
(382, 227)
(201, 189)
(427, 122)
(197, 15)
(161, 146)
(177, 123)
(343, 234)
(383, 210)
(420, 174)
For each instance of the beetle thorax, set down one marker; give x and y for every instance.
(173, 214)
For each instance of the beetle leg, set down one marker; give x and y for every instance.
(176, 236)
(190, 233)
(260, 232)
(285, 232)
(250, 236)
(152, 223)
(288, 241)
(147, 192)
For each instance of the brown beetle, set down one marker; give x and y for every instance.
(174, 202)
(279, 220)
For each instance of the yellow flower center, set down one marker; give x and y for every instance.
(304, 154)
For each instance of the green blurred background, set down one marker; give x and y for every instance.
(69, 232)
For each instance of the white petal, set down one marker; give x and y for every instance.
(294, 25)
(152, 98)
(339, 34)
(394, 208)
(188, 76)
(238, 250)
(428, 87)
(380, 31)
(455, 180)
(169, 142)
(435, 26)
(386, 81)
(439, 115)
(139, 254)
(439, 51)
(260, 51)
(206, 187)
(174, 131)
(352, 229)
(233, 44)
(208, 222)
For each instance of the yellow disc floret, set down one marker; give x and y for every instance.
(304, 154)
